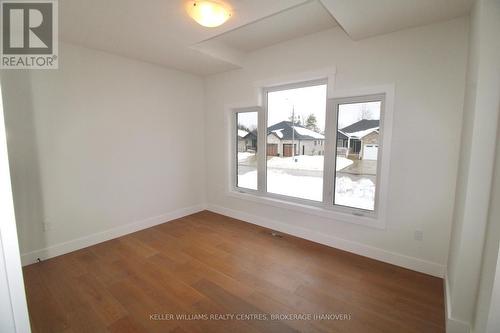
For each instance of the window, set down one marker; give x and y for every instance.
(295, 122)
(246, 152)
(314, 153)
(358, 134)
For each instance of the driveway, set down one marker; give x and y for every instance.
(357, 170)
(361, 167)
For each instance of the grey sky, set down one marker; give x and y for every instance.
(306, 101)
(351, 113)
(248, 119)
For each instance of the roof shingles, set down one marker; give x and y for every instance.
(362, 125)
(301, 133)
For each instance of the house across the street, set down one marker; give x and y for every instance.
(247, 141)
(281, 137)
(360, 139)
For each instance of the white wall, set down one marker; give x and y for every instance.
(488, 299)
(99, 144)
(13, 307)
(486, 317)
(427, 67)
(493, 320)
(480, 122)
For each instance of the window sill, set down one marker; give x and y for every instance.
(317, 210)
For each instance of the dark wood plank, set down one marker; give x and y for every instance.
(209, 264)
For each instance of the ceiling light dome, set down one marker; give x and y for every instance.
(208, 13)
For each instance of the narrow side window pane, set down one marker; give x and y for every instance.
(295, 142)
(357, 154)
(246, 137)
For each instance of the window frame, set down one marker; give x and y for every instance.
(336, 102)
(325, 208)
(288, 86)
(234, 148)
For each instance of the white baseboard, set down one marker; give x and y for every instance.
(452, 325)
(82, 242)
(397, 259)
(412, 263)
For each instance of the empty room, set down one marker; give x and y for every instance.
(250, 166)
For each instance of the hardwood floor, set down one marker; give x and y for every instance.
(208, 264)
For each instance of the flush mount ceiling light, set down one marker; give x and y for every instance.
(208, 13)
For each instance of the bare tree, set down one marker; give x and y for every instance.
(312, 123)
(366, 112)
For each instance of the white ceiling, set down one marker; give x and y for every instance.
(298, 21)
(156, 31)
(160, 31)
(366, 18)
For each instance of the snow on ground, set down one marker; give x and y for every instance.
(248, 180)
(279, 182)
(305, 162)
(305, 187)
(242, 156)
(355, 193)
(359, 193)
(342, 163)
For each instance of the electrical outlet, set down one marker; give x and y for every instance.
(418, 235)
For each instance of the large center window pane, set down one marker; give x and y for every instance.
(296, 142)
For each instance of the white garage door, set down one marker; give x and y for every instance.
(370, 152)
